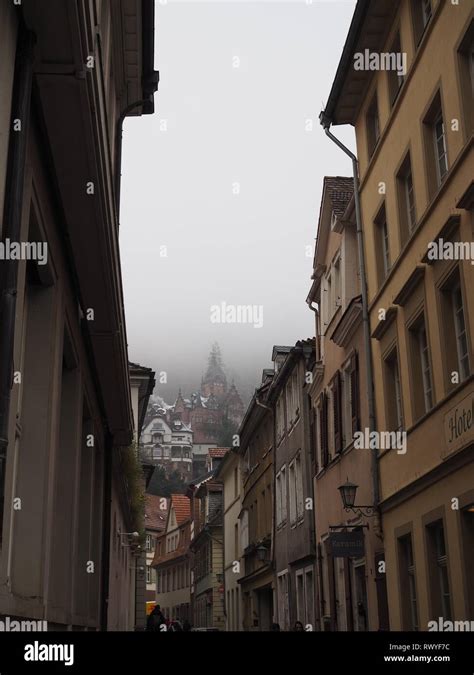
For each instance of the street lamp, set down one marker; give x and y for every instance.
(261, 552)
(348, 494)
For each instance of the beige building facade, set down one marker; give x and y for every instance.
(172, 561)
(229, 472)
(347, 590)
(414, 133)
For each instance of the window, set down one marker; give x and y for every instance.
(280, 413)
(309, 597)
(406, 200)
(382, 245)
(300, 603)
(421, 14)
(438, 571)
(372, 126)
(440, 148)
(336, 413)
(425, 367)
(323, 430)
(421, 381)
(435, 145)
(292, 487)
(426, 11)
(148, 574)
(236, 482)
(393, 395)
(299, 487)
(395, 76)
(355, 396)
(292, 398)
(278, 499)
(460, 331)
(236, 541)
(456, 338)
(407, 584)
(337, 282)
(346, 406)
(359, 594)
(283, 600)
(466, 72)
(283, 494)
(244, 530)
(148, 542)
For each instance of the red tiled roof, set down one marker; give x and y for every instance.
(217, 452)
(155, 517)
(182, 508)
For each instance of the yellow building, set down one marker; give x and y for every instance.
(413, 117)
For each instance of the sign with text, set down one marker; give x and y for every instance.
(459, 425)
(347, 544)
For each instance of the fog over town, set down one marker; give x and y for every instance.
(222, 186)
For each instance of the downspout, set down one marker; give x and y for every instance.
(13, 209)
(326, 124)
(118, 148)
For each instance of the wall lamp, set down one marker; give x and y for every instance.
(348, 494)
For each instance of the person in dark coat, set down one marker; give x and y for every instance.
(155, 620)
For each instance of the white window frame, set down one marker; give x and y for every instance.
(427, 381)
(410, 199)
(443, 157)
(292, 491)
(299, 487)
(284, 501)
(460, 331)
(426, 12)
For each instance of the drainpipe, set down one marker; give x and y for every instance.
(13, 209)
(326, 124)
(118, 147)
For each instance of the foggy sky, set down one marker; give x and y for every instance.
(216, 126)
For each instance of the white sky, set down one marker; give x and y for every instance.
(228, 125)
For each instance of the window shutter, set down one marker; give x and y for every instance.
(324, 429)
(337, 413)
(355, 396)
